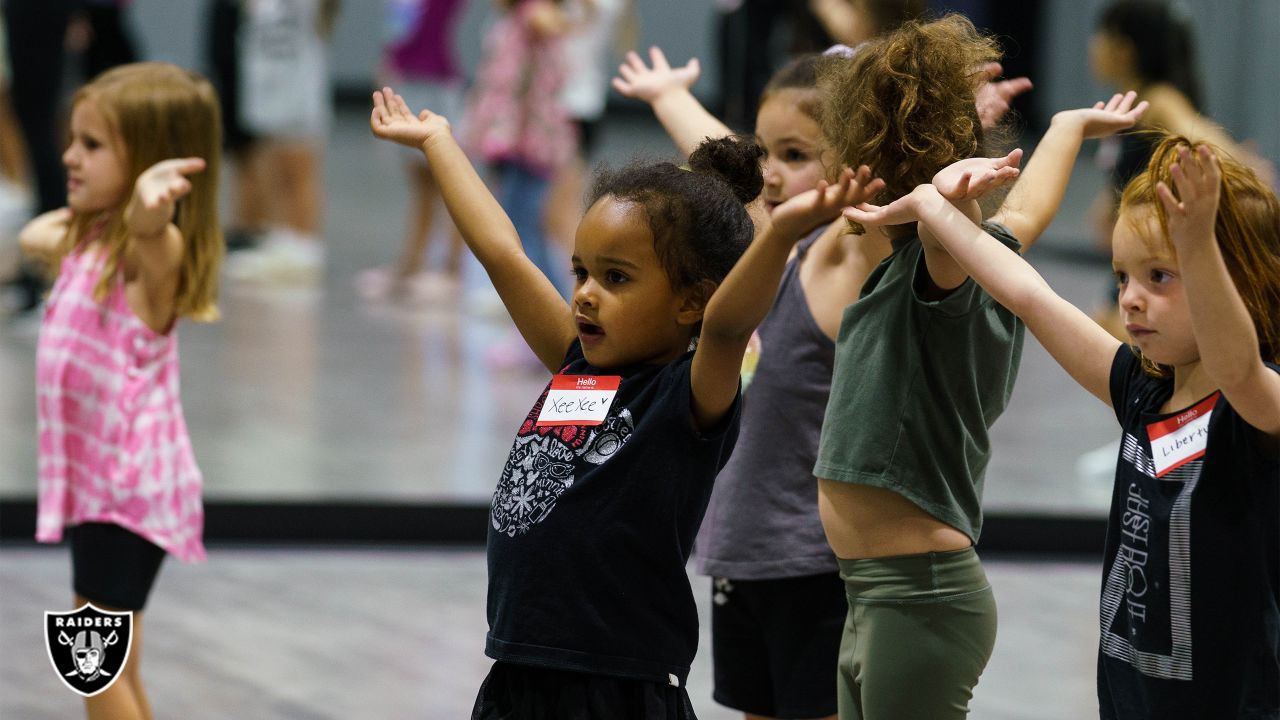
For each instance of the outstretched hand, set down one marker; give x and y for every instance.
(156, 191)
(1103, 119)
(971, 178)
(1198, 179)
(905, 209)
(808, 209)
(993, 96)
(648, 83)
(393, 120)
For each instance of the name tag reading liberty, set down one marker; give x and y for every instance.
(579, 399)
(1182, 438)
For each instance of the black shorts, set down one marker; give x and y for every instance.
(775, 644)
(535, 693)
(111, 566)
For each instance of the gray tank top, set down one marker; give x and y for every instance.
(762, 522)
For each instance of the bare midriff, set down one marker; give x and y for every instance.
(862, 521)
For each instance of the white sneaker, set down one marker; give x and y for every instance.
(286, 257)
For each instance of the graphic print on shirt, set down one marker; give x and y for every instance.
(1146, 597)
(540, 466)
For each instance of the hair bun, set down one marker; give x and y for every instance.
(735, 160)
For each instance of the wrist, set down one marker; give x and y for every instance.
(146, 233)
(926, 197)
(669, 95)
(435, 139)
(1068, 120)
(1188, 244)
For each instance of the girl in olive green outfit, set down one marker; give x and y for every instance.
(925, 363)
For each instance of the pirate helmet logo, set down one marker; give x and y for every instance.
(88, 647)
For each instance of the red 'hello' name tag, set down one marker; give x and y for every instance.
(578, 400)
(1181, 438)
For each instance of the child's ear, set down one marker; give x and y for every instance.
(694, 303)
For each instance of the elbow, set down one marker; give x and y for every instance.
(723, 332)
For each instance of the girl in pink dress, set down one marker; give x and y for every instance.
(515, 122)
(137, 247)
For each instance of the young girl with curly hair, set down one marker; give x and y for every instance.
(925, 363)
(1188, 618)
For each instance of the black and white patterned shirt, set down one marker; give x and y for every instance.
(591, 528)
(1191, 582)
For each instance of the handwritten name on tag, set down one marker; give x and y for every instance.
(579, 399)
(1181, 438)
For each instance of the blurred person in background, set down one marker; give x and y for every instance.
(1150, 46)
(418, 60)
(285, 101)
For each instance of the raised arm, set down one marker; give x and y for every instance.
(1079, 345)
(1173, 113)
(541, 315)
(962, 184)
(666, 89)
(156, 247)
(1225, 334)
(1035, 199)
(746, 294)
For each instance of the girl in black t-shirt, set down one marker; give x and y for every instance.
(590, 610)
(1189, 620)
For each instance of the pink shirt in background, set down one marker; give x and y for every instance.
(515, 114)
(422, 48)
(113, 441)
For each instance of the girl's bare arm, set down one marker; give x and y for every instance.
(541, 315)
(746, 294)
(1225, 333)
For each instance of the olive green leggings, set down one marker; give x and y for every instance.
(919, 632)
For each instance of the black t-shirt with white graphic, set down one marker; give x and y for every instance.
(591, 528)
(1191, 580)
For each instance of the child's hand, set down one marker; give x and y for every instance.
(154, 194)
(1192, 214)
(393, 120)
(906, 209)
(993, 96)
(1103, 119)
(644, 83)
(823, 204)
(971, 178)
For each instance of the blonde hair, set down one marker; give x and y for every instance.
(158, 111)
(905, 104)
(1247, 229)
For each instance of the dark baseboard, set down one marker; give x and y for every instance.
(465, 524)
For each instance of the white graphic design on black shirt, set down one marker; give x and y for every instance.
(540, 467)
(1130, 588)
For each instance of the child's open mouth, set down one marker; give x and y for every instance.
(589, 333)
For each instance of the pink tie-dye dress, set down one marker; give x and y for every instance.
(113, 441)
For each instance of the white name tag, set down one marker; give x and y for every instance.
(579, 399)
(1182, 438)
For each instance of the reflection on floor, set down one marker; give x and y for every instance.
(314, 393)
(387, 634)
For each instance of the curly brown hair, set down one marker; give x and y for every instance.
(905, 104)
